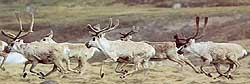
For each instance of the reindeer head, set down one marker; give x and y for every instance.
(128, 36)
(16, 39)
(98, 34)
(196, 36)
(48, 38)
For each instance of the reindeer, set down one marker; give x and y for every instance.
(128, 36)
(76, 50)
(2, 44)
(164, 50)
(13, 58)
(122, 52)
(215, 53)
(35, 52)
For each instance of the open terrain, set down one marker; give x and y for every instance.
(229, 21)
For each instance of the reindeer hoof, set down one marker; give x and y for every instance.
(209, 75)
(24, 75)
(41, 77)
(199, 72)
(3, 68)
(220, 76)
(102, 75)
(124, 71)
(41, 73)
(230, 77)
(122, 76)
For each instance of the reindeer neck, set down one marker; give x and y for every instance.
(106, 48)
(200, 47)
(20, 48)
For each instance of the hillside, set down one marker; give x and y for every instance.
(69, 20)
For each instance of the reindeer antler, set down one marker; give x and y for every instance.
(31, 27)
(204, 27)
(111, 27)
(195, 36)
(197, 28)
(98, 31)
(131, 32)
(14, 37)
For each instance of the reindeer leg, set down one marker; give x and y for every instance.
(145, 66)
(101, 69)
(229, 76)
(24, 68)
(133, 71)
(79, 66)
(137, 63)
(217, 67)
(228, 72)
(205, 63)
(4, 59)
(180, 62)
(189, 63)
(236, 63)
(34, 63)
(83, 65)
(53, 70)
(60, 67)
(231, 66)
(68, 66)
(119, 67)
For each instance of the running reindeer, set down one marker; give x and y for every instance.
(215, 53)
(76, 50)
(122, 52)
(128, 36)
(164, 51)
(35, 52)
(2, 45)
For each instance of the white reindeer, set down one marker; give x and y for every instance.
(164, 50)
(216, 54)
(35, 52)
(122, 52)
(76, 50)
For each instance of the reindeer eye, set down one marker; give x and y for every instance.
(44, 39)
(18, 40)
(11, 44)
(93, 39)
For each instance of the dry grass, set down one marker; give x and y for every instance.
(167, 74)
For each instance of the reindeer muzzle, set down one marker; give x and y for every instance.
(87, 45)
(7, 49)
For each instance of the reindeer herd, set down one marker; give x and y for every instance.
(123, 51)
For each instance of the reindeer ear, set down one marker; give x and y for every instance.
(101, 35)
(21, 41)
(51, 34)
